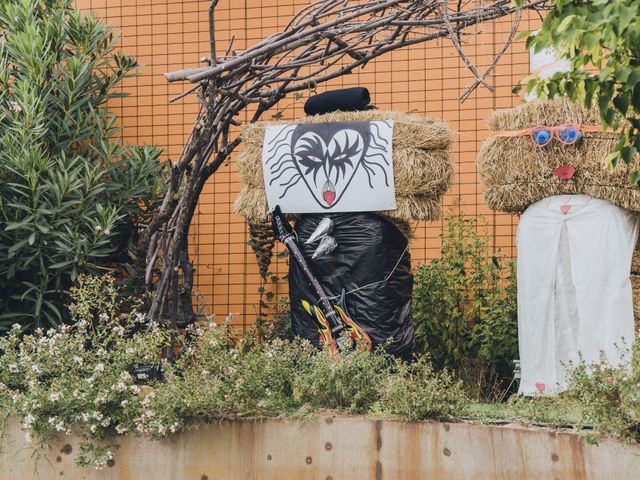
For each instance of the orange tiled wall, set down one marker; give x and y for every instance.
(168, 35)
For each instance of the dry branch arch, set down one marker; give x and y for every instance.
(325, 40)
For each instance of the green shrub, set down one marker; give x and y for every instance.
(418, 392)
(352, 382)
(72, 195)
(464, 310)
(609, 396)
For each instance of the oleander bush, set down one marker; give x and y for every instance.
(72, 194)
(464, 310)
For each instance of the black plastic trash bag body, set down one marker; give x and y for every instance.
(370, 249)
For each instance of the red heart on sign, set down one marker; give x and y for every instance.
(541, 387)
(564, 172)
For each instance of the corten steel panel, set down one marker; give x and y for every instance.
(427, 79)
(336, 448)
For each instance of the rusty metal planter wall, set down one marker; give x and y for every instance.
(335, 448)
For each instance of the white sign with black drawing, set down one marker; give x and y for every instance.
(329, 167)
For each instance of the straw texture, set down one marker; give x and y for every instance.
(421, 160)
(516, 173)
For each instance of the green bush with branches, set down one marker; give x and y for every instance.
(464, 310)
(72, 195)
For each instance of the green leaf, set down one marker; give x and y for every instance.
(565, 24)
(628, 152)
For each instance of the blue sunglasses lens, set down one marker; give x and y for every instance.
(541, 137)
(569, 134)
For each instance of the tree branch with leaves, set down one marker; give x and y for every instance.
(601, 41)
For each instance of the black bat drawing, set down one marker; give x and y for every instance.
(326, 157)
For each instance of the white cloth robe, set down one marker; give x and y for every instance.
(574, 291)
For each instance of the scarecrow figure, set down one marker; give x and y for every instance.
(350, 260)
(575, 239)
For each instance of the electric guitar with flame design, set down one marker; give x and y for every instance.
(330, 320)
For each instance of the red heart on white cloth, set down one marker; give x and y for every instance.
(565, 209)
(541, 387)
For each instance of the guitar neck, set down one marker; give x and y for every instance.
(326, 306)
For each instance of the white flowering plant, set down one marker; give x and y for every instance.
(80, 378)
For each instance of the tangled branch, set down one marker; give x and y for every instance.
(325, 40)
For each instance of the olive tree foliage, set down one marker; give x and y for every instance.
(601, 40)
(72, 195)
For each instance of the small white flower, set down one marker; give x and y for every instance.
(79, 360)
(107, 231)
(99, 367)
(98, 228)
(103, 317)
(36, 368)
(60, 426)
(28, 420)
(28, 438)
(16, 327)
(15, 106)
(129, 351)
(85, 417)
(93, 428)
(119, 330)
(124, 403)
(13, 368)
(55, 396)
(52, 420)
(120, 430)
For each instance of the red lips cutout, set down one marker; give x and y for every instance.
(564, 172)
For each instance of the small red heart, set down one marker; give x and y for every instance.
(565, 209)
(329, 197)
(541, 387)
(564, 172)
